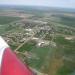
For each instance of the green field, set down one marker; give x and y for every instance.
(39, 52)
(65, 20)
(67, 49)
(7, 19)
(27, 46)
(5, 23)
(3, 29)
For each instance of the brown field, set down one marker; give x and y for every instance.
(15, 14)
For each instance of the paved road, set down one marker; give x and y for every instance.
(24, 43)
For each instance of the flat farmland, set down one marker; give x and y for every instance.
(15, 13)
(8, 19)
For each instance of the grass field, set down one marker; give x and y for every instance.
(39, 55)
(27, 46)
(65, 20)
(67, 49)
(4, 23)
(3, 29)
(7, 19)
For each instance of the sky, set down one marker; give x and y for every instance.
(51, 3)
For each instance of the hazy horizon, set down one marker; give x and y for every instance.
(48, 3)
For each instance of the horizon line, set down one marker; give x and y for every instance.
(37, 6)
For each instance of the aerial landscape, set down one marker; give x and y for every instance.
(42, 37)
